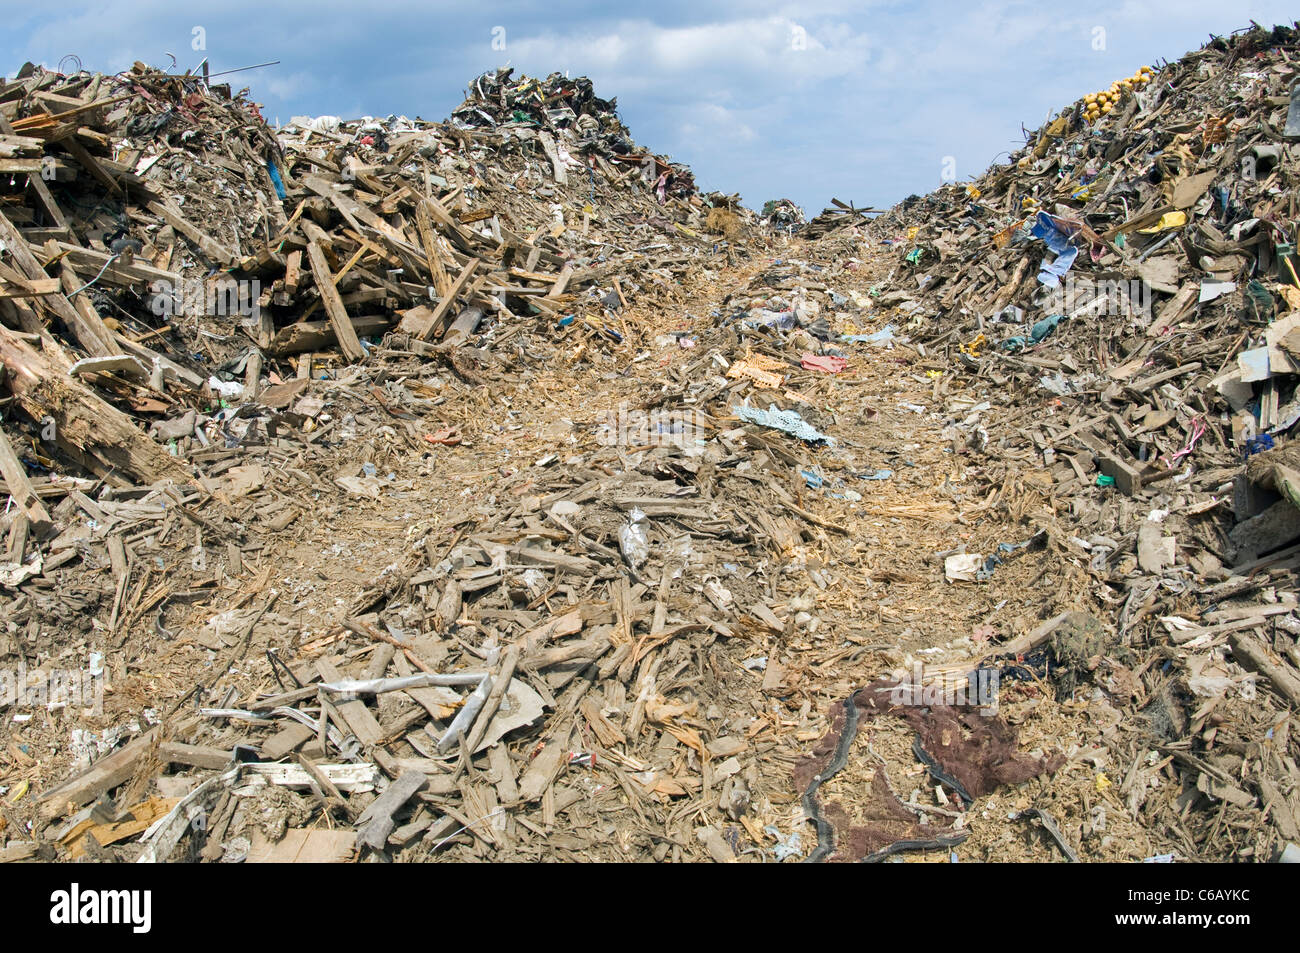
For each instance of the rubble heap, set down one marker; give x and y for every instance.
(541, 509)
(1113, 317)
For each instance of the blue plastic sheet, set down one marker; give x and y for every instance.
(1045, 227)
(276, 181)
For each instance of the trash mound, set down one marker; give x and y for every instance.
(782, 214)
(840, 218)
(1114, 316)
(168, 250)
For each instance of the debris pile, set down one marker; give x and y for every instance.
(536, 506)
(1111, 319)
(782, 214)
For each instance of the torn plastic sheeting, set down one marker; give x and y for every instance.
(1167, 221)
(763, 318)
(884, 336)
(227, 389)
(1036, 334)
(1057, 239)
(1058, 384)
(963, 567)
(830, 363)
(787, 421)
(875, 475)
(1258, 444)
(1198, 431)
(1005, 549)
(1051, 275)
(1215, 289)
(632, 539)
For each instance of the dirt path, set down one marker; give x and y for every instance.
(806, 574)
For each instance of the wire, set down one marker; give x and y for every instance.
(97, 277)
(467, 827)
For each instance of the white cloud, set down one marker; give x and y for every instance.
(715, 122)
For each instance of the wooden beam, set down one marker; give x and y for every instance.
(349, 344)
(85, 423)
(444, 306)
(20, 487)
(27, 263)
(210, 247)
(90, 164)
(424, 222)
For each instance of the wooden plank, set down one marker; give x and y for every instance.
(104, 775)
(21, 166)
(376, 822)
(444, 306)
(90, 164)
(210, 247)
(47, 201)
(462, 327)
(90, 330)
(318, 335)
(462, 236)
(31, 267)
(355, 713)
(351, 208)
(32, 288)
(349, 343)
(292, 271)
(20, 487)
(118, 273)
(424, 223)
(286, 740)
(196, 756)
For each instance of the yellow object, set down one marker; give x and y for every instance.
(19, 791)
(913, 232)
(973, 348)
(1103, 783)
(137, 820)
(972, 191)
(1004, 236)
(1167, 221)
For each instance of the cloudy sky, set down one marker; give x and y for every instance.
(863, 101)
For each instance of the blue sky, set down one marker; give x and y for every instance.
(862, 101)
